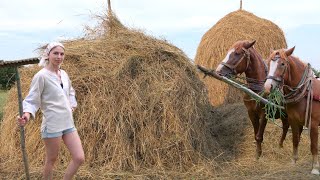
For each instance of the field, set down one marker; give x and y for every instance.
(3, 96)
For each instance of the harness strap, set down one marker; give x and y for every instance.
(304, 88)
(301, 89)
(278, 79)
(302, 81)
(309, 107)
(233, 67)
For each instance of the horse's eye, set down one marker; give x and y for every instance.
(238, 53)
(282, 64)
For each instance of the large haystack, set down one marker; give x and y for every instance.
(141, 107)
(238, 25)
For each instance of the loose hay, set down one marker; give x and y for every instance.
(237, 25)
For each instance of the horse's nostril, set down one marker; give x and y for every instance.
(219, 73)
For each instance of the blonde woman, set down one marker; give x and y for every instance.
(51, 91)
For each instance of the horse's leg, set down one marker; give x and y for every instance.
(295, 141)
(314, 147)
(259, 135)
(285, 127)
(255, 123)
(300, 132)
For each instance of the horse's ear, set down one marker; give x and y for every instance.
(290, 51)
(249, 44)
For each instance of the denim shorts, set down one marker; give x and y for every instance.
(45, 134)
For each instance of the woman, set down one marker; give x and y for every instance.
(51, 91)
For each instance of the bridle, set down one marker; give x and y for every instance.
(280, 79)
(246, 55)
(253, 84)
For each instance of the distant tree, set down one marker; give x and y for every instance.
(316, 72)
(7, 78)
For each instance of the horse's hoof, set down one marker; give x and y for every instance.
(258, 153)
(315, 172)
(293, 162)
(280, 146)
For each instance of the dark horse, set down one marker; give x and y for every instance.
(301, 93)
(242, 57)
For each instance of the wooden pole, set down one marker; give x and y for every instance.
(240, 4)
(109, 6)
(16, 64)
(22, 137)
(238, 86)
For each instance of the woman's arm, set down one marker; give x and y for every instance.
(32, 102)
(72, 94)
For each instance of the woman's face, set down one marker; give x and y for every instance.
(56, 56)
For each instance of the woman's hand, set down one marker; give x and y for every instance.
(24, 119)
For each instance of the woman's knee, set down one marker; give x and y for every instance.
(78, 159)
(51, 160)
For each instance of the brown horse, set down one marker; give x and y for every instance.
(243, 58)
(301, 93)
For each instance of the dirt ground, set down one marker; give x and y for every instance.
(234, 131)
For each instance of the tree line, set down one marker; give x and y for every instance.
(7, 77)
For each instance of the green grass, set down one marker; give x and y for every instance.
(275, 97)
(3, 97)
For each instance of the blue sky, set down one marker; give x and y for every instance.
(26, 25)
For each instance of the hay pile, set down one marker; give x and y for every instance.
(141, 108)
(237, 25)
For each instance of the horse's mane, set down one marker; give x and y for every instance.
(239, 45)
(281, 52)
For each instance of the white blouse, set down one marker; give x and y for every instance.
(55, 102)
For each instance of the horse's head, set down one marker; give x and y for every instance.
(237, 59)
(278, 64)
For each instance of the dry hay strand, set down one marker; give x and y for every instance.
(141, 108)
(237, 25)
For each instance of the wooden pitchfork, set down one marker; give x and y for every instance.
(16, 65)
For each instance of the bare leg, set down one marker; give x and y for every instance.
(314, 148)
(52, 146)
(73, 143)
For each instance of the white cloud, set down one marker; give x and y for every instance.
(46, 20)
(45, 14)
(157, 16)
